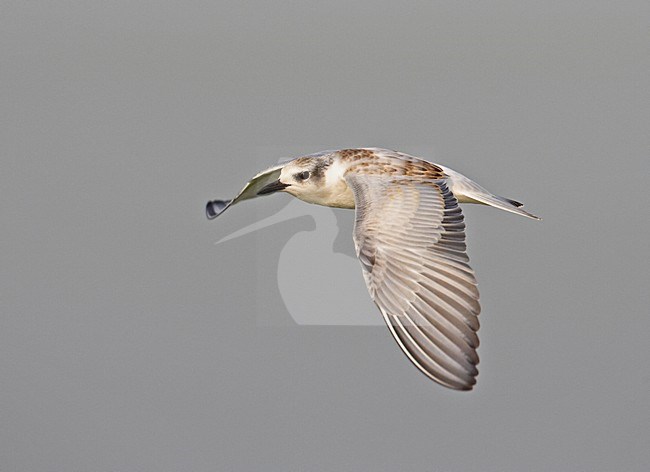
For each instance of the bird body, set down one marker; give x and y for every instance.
(409, 236)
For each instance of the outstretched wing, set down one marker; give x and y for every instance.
(410, 238)
(216, 207)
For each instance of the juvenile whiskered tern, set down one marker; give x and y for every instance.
(409, 236)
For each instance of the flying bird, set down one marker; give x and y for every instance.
(409, 236)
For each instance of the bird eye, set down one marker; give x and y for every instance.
(304, 175)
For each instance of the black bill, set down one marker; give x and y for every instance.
(272, 188)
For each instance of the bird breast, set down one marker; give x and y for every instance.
(340, 196)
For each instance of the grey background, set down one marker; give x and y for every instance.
(130, 342)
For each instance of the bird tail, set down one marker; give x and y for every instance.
(468, 191)
(502, 203)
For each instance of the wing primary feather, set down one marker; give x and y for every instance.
(424, 363)
(410, 240)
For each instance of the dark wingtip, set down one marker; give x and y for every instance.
(215, 208)
(515, 203)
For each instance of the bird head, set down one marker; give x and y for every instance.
(303, 178)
